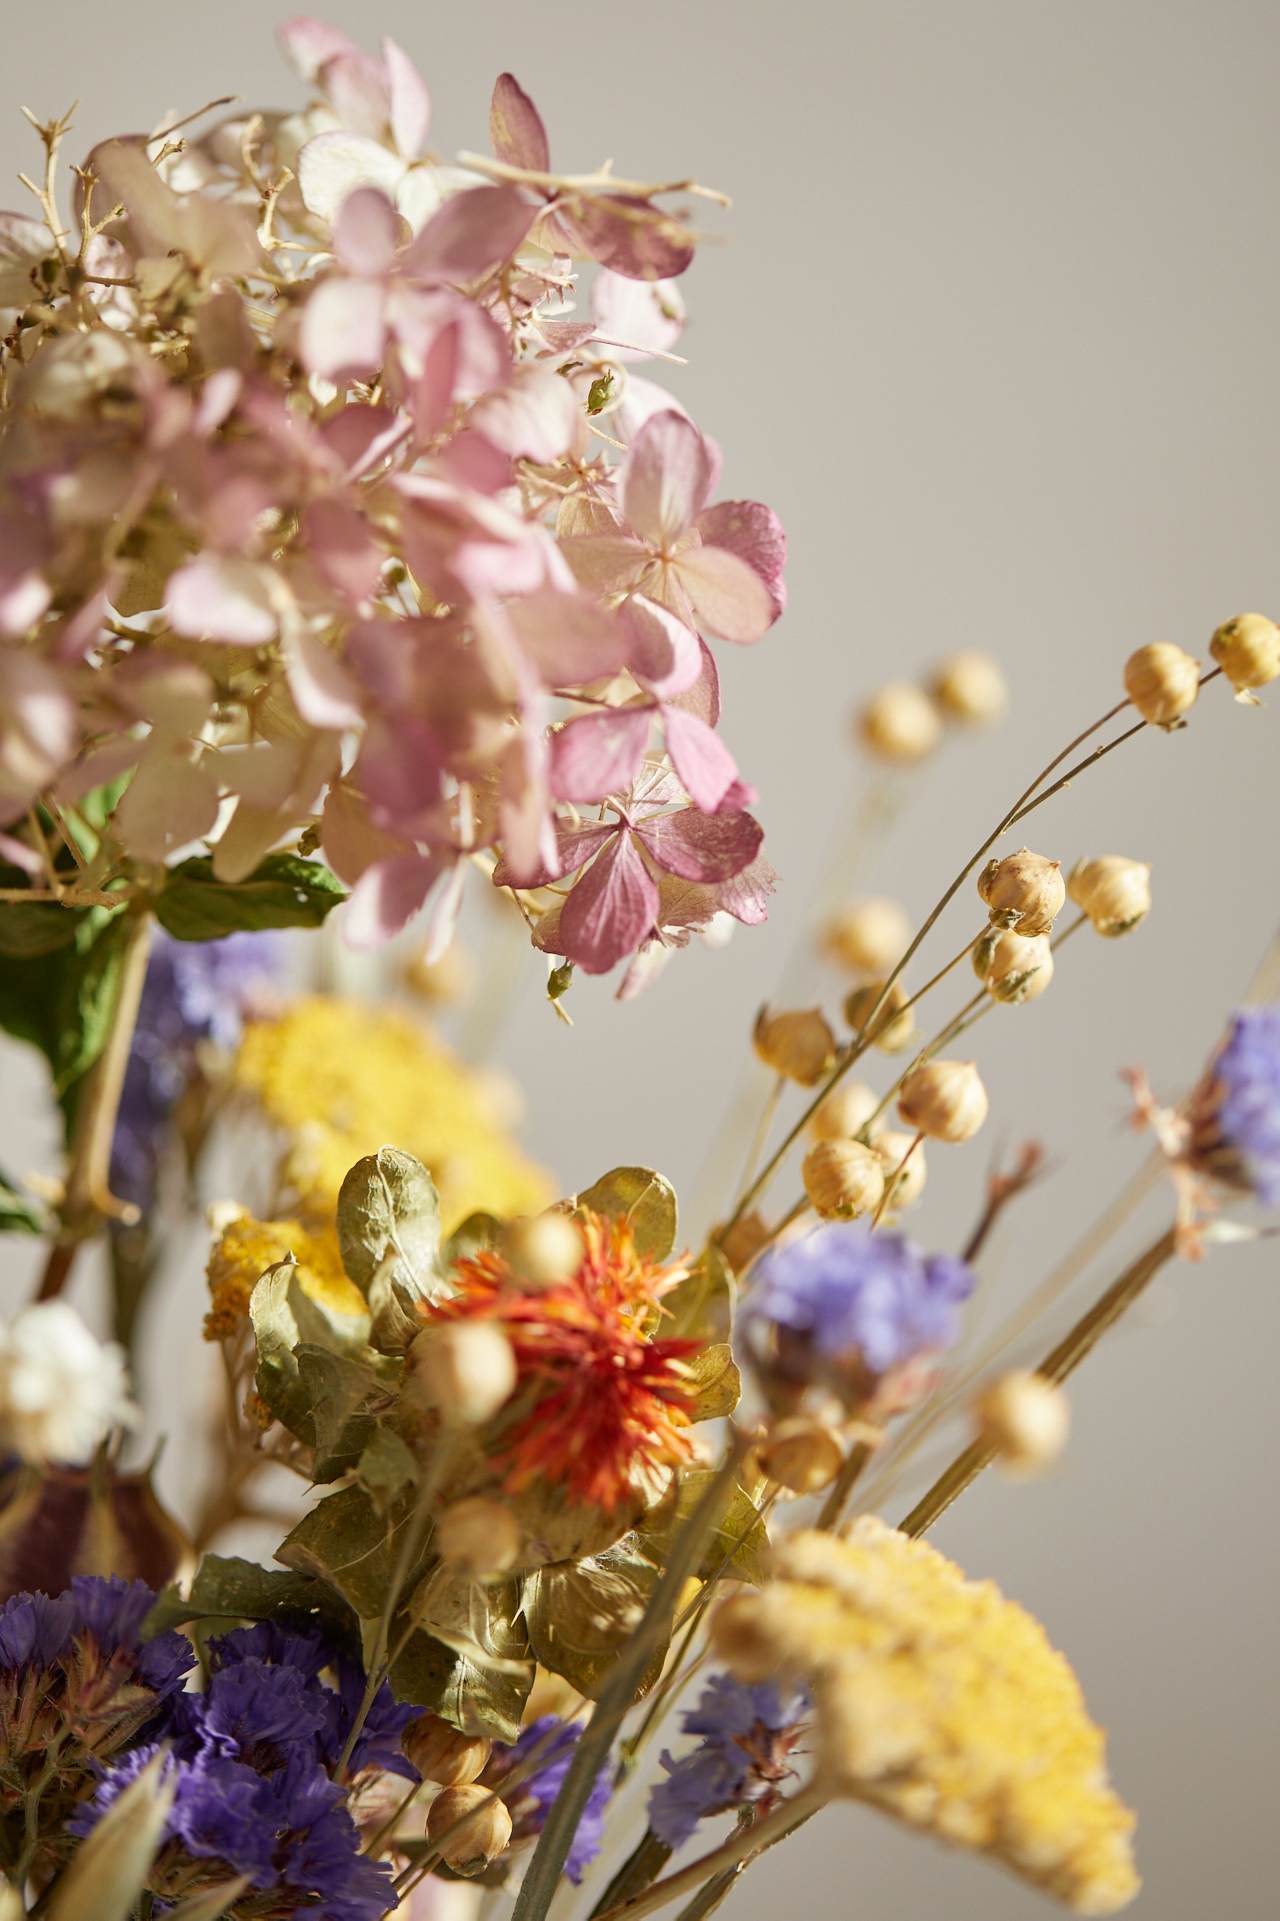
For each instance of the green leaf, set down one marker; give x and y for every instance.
(18, 1214)
(229, 1589)
(478, 1678)
(346, 1541)
(716, 1380)
(28, 930)
(701, 1307)
(386, 1465)
(340, 1392)
(108, 1870)
(62, 999)
(477, 1232)
(580, 1614)
(643, 1198)
(389, 1234)
(284, 891)
(284, 1318)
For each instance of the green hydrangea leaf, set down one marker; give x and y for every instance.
(580, 1614)
(471, 1663)
(643, 1198)
(347, 1542)
(285, 891)
(389, 1234)
(343, 1394)
(229, 1589)
(386, 1465)
(716, 1381)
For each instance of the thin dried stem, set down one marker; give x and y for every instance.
(602, 181)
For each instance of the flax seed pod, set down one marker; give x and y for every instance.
(1013, 967)
(843, 1179)
(1113, 891)
(801, 1454)
(478, 1535)
(1248, 651)
(465, 1369)
(543, 1248)
(844, 1113)
(868, 936)
(482, 1831)
(442, 1753)
(970, 688)
(1026, 1419)
(1162, 682)
(798, 1044)
(900, 724)
(1024, 890)
(894, 1026)
(906, 1186)
(945, 1100)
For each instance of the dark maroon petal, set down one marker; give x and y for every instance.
(701, 846)
(610, 910)
(516, 132)
(754, 533)
(635, 238)
(597, 755)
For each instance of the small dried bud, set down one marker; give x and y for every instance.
(843, 1179)
(543, 1248)
(944, 1099)
(465, 1368)
(868, 936)
(799, 1044)
(1248, 651)
(478, 1535)
(1024, 890)
(442, 1753)
(844, 1113)
(801, 1454)
(969, 687)
(894, 1027)
(1162, 682)
(900, 723)
(480, 1837)
(743, 1241)
(893, 1149)
(442, 982)
(1026, 1418)
(748, 1638)
(1114, 892)
(1014, 967)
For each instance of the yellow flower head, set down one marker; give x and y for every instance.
(342, 1080)
(942, 1703)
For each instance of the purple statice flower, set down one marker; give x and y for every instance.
(38, 1633)
(1246, 1080)
(35, 1631)
(844, 1288)
(194, 991)
(532, 1799)
(748, 1735)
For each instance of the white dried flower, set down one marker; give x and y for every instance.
(61, 1390)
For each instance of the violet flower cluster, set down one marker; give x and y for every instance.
(1246, 1098)
(254, 1760)
(531, 1800)
(748, 1736)
(309, 518)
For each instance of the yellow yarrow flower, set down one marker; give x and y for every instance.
(943, 1703)
(244, 1251)
(343, 1079)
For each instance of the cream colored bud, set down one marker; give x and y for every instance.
(1024, 890)
(442, 1753)
(480, 1536)
(482, 1834)
(969, 687)
(894, 1026)
(465, 1368)
(1248, 651)
(1013, 967)
(868, 936)
(801, 1454)
(543, 1248)
(798, 1044)
(843, 1179)
(1162, 682)
(745, 1636)
(845, 1112)
(944, 1099)
(900, 723)
(1113, 891)
(1026, 1419)
(893, 1149)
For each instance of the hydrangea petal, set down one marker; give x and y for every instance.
(221, 597)
(729, 597)
(516, 132)
(700, 757)
(698, 846)
(596, 755)
(610, 909)
(666, 478)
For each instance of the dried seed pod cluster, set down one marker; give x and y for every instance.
(1114, 891)
(1024, 890)
(903, 723)
(798, 1045)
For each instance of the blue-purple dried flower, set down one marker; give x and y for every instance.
(531, 1801)
(1235, 1113)
(748, 1736)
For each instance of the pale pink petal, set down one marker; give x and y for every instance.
(738, 795)
(516, 132)
(744, 895)
(221, 597)
(306, 44)
(569, 640)
(442, 920)
(664, 655)
(19, 855)
(359, 90)
(666, 478)
(611, 908)
(644, 969)
(418, 315)
(23, 601)
(574, 845)
(605, 563)
(323, 691)
(23, 244)
(334, 164)
(596, 755)
(248, 838)
(104, 764)
(387, 896)
(366, 232)
(430, 397)
(343, 331)
(534, 417)
(410, 101)
(469, 460)
(729, 597)
(697, 846)
(399, 769)
(700, 757)
(350, 838)
(636, 318)
(641, 400)
(217, 398)
(84, 629)
(170, 801)
(754, 533)
(526, 832)
(343, 549)
(630, 235)
(703, 698)
(361, 437)
(562, 336)
(472, 233)
(37, 716)
(174, 695)
(24, 592)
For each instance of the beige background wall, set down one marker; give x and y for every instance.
(994, 328)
